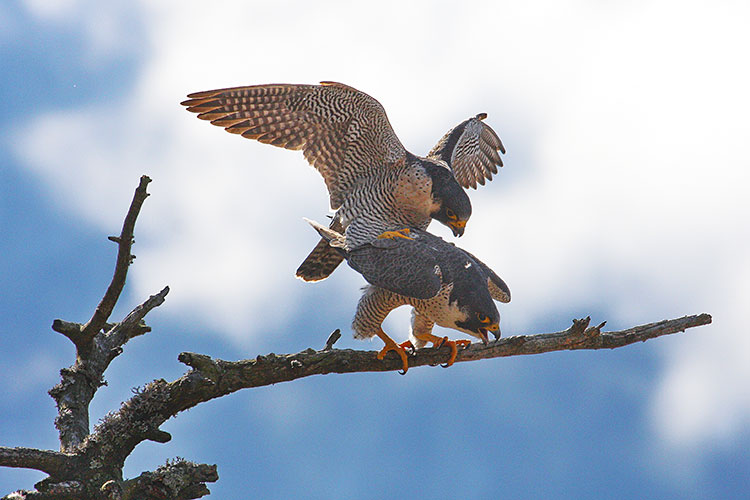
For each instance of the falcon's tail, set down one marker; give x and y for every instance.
(321, 262)
(326, 256)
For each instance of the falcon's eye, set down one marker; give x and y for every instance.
(482, 318)
(451, 214)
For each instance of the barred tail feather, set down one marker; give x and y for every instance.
(321, 262)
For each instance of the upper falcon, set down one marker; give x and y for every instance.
(374, 184)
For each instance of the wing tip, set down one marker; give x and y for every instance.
(330, 83)
(203, 94)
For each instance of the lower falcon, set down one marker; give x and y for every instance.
(446, 286)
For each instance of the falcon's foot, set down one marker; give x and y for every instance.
(401, 233)
(438, 342)
(391, 345)
(408, 346)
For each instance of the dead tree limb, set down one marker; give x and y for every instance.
(89, 465)
(124, 259)
(96, 348)
(229, 376)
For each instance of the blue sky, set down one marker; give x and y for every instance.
(623, 197)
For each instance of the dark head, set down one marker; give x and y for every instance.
(481, 316)
(451, 204)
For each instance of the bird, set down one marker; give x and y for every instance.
(444, 284)
(374, 183)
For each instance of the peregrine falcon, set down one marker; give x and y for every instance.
(374, 184)
(445, 285)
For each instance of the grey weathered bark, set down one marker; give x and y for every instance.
(89, 465)
(98, 343)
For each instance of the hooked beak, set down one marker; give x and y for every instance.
(495, 329)
(457, 227)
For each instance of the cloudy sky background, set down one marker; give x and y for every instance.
(624, 196)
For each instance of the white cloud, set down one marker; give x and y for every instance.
(633, 191)
(704, 398)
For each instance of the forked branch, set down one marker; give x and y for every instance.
(124, 259)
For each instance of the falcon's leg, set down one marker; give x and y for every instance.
(375, 304)
(401, 233)
(420, 325)
(422, 332)
(391, 345)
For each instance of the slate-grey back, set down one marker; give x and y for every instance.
(409, 267)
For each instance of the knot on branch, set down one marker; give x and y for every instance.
(580, 332)
(579, 326)
(74, 331)
(158, 436)
(204, 365)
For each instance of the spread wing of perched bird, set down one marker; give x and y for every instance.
(374, 184)
(445, 285)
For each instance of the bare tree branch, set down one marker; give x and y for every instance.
(70, 490)
(141, 416)
(124, 258)
(51, 462)
(80, 382)
(229, 376)
(129, 327)
(95, 348)
(90, 464)
(332, 339)
(90, 467)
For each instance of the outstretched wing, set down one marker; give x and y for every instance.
(471, 150)
(497, 287)
(399, 265)
(343, 133)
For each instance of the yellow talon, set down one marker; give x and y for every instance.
(438, 342)
(408, 346)
(391, 345)
(401, 233)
